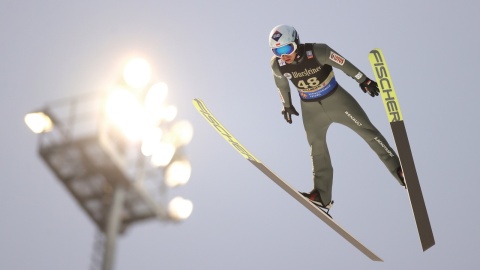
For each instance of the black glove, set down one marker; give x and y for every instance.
(371, 87)
(287, 113)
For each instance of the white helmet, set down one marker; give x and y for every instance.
(282, 35)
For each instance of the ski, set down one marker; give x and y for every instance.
(392, 107)
(200, 106)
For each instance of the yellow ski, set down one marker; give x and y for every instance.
(395, 117)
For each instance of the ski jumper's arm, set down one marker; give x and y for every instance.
(328, 56)
(282, 83)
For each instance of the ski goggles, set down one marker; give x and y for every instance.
(285, 49)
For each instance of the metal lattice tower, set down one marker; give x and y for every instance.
(97, 167)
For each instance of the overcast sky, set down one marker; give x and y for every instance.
(218, 51)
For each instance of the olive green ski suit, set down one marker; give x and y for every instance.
(323, 102)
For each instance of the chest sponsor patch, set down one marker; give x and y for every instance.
(309, 54)
(337, 58)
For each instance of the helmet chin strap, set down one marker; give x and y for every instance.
(300, 53)
(301, 49)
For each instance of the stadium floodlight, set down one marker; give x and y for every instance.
(39, 122)
(182, 133)
(170, 113)
(137, 73)
(155, 97)
(110, 150)
(125, 111)
(162, 154)
(180, 208)
(119, 104)
(151, 140)
(178, 173)
(166, 113)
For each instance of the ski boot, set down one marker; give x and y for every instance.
(314, 197)
(402, 178)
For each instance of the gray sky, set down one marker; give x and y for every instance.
(219, 52)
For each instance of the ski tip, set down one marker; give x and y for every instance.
(197, 102)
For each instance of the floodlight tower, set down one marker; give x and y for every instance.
(118, 153)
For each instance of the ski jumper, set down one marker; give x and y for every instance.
(323, 102)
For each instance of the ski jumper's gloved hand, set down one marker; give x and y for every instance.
(287, 113)
(370, 86)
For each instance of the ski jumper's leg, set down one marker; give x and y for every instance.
(316, 123)
(344, 109)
